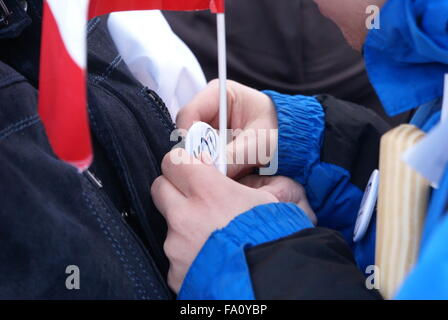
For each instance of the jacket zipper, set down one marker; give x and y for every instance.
(109, 206)
(156, 271)
(147, 229)
(161, 105)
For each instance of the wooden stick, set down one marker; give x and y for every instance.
(402, 205)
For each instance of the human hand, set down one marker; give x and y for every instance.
(284, 189)
(251, 116)
(194, 198)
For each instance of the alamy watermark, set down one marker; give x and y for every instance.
(373, 20)
(250, 147)
(373, 277)
(73, 281)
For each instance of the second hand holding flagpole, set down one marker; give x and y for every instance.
(222, 65)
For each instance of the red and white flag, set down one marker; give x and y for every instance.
(100, 7)
(62, 83)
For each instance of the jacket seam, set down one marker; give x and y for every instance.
(19, 126)
(10, 80)
(111, 68)
(117, 247)
(92, 24)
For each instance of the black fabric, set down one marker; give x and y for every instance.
(22, 53)
(312, 264)
(13, 19)
(134, 127)
(281, 45)
(352, 138)
(52, 216)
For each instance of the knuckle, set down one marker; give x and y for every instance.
(182, 114)
(156, 185)
(177, 222)
(171, 277)
(300, 188)
(168, 247)
(173, 280)
(167, 161)
(214, 83)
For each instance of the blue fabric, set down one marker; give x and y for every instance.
(301, 130)
(427, 115)
(331, 195)
(334, 199)
(364, 249)
(407, 57)
(432, 122)
(429, 279)
(406, 60)
(220, 270)
(336, 202)
(436, 209)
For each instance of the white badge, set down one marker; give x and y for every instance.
(367, 207)
(202, 138)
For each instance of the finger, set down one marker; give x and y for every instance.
(250, 148)
(241, 157)
(286, 196)
(165, 195)
(206, 158)
(174, 281)
(305, 206)
(287, 190)
(254, 181)
(284, 189)
(308, 211)
(204, 107)
(188, 174)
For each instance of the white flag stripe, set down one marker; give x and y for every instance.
(71, 17)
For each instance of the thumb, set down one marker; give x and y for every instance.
(243, 153)
(303, 203)
(203, 107)
(206, 158)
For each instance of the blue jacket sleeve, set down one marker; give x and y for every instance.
(301, 132)
(220, 270)
(322, 142)
(429, 279)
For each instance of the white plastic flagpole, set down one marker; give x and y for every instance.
(222, 65)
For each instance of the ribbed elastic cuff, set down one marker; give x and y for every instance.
(301, 126)
(220, 270)
(266, 223)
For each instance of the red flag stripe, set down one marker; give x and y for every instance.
(217, 6)
(62, 84)
(100, 7)
(62, 92)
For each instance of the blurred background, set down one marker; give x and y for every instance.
(282, 45)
